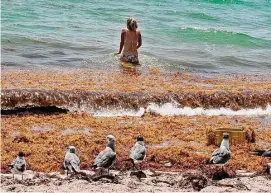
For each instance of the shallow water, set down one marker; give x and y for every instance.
(201, 35)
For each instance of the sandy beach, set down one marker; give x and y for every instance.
(175, 143)
(190, 181)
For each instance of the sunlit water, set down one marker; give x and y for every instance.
(203, 35)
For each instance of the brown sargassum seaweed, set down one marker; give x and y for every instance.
(12, 98)
(149, 81)
(180, 140)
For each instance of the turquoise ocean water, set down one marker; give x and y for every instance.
(212, 36)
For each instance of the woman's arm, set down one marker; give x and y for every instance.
(139, 42)
(121, 40)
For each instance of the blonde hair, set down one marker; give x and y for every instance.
(131, 24)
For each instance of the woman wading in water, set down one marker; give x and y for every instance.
(130, 42)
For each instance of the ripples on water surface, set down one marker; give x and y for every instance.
(202, 36)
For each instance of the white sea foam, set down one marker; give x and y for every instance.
(169, 109)
(119, 113)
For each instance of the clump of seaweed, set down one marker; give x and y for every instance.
(152, 80)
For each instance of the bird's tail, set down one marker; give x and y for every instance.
(11, 166)
(257, 152)
(209, 161)
(94, 166)
(130, 160)
(21, 168)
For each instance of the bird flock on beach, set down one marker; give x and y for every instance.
(106, 158)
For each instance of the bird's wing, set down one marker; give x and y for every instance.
(71, 162)
(132, 151)
(75, 163)
(138, 152)
(65, 164)
(99, 157)
(20, 164)
(67, 161)
(257, 152)
(221, 155)
(105, 158)
(216, 152)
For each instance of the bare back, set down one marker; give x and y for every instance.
(130, 42)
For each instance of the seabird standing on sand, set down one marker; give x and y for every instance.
(71, 161)
(138, 151)
(223, 154)
(18, 165)
(107, 157)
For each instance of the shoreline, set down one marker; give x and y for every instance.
(19, 98)
(127, 181)
(130, 80)
(96, 90)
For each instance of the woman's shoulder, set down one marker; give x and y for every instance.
(123, 30)
(138, 31)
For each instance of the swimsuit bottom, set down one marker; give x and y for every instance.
(131, 58)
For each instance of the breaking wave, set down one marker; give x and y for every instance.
(171, 109)
(109, 104)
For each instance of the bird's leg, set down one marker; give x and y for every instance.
(140, 166)
(13, 175)
(22, 176)
(134, 166)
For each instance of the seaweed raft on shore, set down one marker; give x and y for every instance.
(180, 140)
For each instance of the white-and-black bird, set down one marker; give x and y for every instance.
(71, 161)
(264, 153)
(107, 157)
(138, 152)
(223, 154)
(18, 165)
